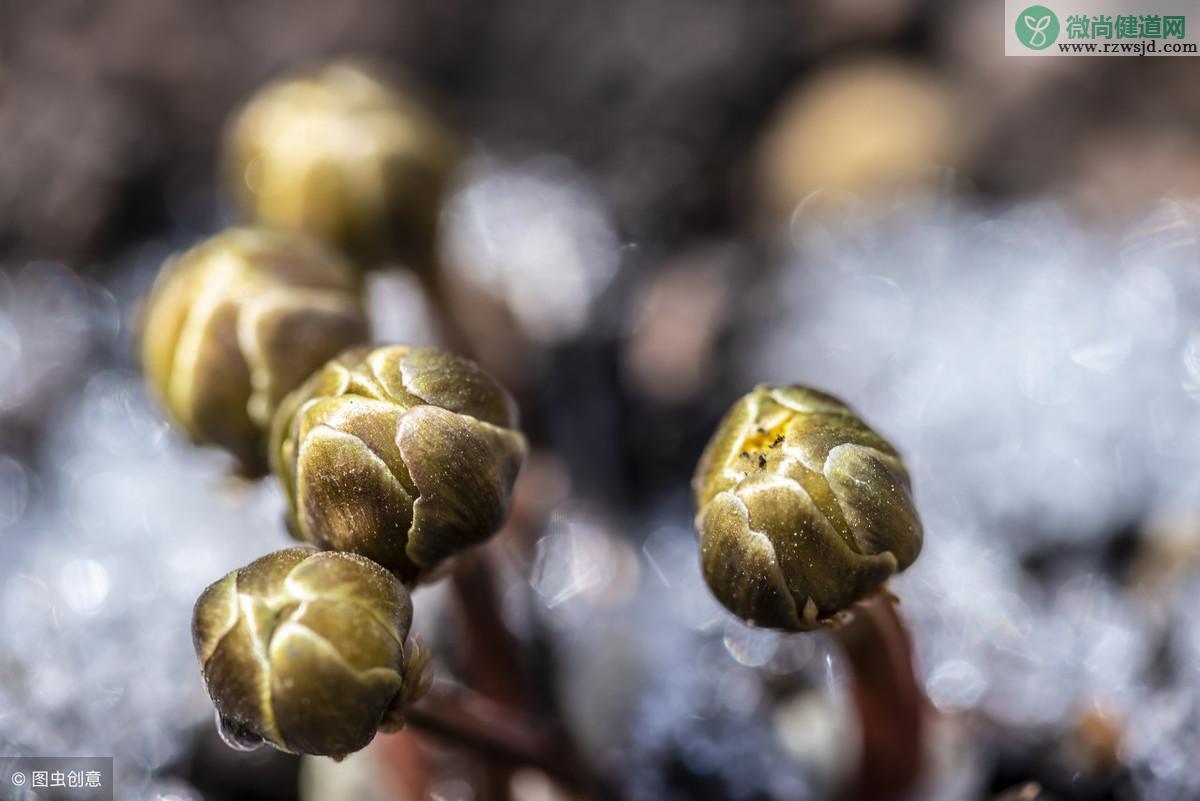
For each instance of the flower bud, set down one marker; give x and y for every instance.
(404, 455)
(308, 651)
(237, 322)
(803, 509)
(345, 157)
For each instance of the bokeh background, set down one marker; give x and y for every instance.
(994, 259)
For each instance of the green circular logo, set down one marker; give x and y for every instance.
(1037, 27)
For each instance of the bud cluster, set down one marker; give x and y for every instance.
(393, 459)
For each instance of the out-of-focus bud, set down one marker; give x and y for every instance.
(866, 130)
(340, 154)
(240, 320)
(803, 509)
(404, 455)
(308, 651)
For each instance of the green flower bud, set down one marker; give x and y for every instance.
(803, 509)
(341, 155)
(308, 651)
(404, 455)
(236, 323)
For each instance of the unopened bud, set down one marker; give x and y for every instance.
(240, 320)
(309, 651)
(343, 156)
(802, 509)
(405, 455)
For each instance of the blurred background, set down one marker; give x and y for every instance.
(994, 259)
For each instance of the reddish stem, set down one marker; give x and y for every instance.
(491, 656)
(405, 764)
(888, 698)
(492, 731)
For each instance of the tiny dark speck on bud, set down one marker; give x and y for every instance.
(745, 454)
(762, 460)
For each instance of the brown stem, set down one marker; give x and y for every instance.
(493, 666)
(490, 657)
(490, 652)
(449, 331)
(492, 731)
(405, 765)
(1030, 791)
(888, 699)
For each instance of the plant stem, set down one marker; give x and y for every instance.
(447, 327)
(888, 698)
(405, 764)
(469, 720)
(493, 666)
(491, 663)
(491, 657)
